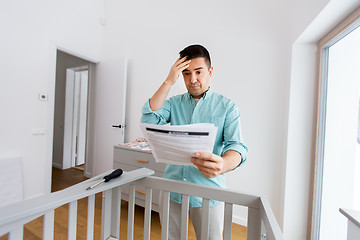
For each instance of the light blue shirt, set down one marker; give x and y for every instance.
(211, 108)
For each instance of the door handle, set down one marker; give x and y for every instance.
(118, 126)
(141, 192)
(142, 160)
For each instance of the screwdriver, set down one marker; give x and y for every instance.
(116, 173)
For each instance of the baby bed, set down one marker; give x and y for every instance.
(261, 221)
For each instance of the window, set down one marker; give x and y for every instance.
(337, 162)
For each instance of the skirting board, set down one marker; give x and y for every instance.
(240, 221)
(57, 165)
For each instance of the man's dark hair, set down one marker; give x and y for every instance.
(196, 51)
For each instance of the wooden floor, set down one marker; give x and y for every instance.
(64, 178)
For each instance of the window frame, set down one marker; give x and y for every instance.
(345, 27)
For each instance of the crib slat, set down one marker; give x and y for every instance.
(205, 219)
(254, 224)
(106, 214)
(228, 221)
(115, 212)
(72, 220)
(131, 209)
(17, 233)
(90, 217)
(48, 226)
(165, 215)
(147, 220)
(184, 217)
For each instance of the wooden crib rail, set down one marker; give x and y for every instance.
(13, 217)
(262, 223)
(261, 220)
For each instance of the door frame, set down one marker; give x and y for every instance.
(89, 168)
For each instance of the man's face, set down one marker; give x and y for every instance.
(197, 77)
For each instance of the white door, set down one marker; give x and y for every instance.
(110, 111)
(68, 122)
(75, 123)
(82, 78)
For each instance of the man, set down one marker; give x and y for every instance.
(199, 105)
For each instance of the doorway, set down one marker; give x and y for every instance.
(70, 113)
(338, 175)
(106, 104)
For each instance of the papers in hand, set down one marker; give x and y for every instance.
(177, 144)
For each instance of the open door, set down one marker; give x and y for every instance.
(75, 123)
(110, 111)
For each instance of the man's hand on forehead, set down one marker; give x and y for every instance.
(180, 65)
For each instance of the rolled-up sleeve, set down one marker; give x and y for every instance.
(233, 139)
(159, 117)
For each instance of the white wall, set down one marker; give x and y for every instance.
(248, 42)
(30, 30)
(301, 143)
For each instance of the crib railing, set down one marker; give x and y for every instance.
(261, 221)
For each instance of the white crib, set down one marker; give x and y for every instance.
(261, 221)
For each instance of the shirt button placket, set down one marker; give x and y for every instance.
(186, 173)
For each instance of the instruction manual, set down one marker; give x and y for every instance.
(176, 144)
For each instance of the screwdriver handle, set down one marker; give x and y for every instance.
(116, 173)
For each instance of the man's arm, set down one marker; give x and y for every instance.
(234, 152)
(158, 99)
(212, 165)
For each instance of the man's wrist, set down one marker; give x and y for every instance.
(232, 160)
(168, 83)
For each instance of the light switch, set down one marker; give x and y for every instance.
(39, 131)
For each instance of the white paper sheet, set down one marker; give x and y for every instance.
(177, 144)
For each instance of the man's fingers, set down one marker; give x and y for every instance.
(181, 62)
(177, 68)
(205, 155)
(207, 172)
(184, 65)
(204, 163)
(207, 163)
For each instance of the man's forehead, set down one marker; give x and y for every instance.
(197, 64)
(194, 69)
